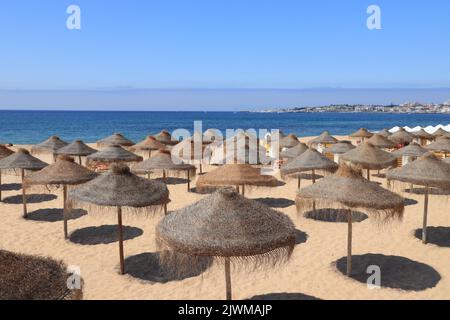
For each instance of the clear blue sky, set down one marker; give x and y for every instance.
(217, 44)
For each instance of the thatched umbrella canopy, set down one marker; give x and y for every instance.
(63, 172)
(340, 148)
(385, 133)
(4, 152)
(401, 137)
(442, 144)
(380, 141)
(167, 163)
(228, 227)
(120, 189)
(426, 171)
(51, 145)
(76, 148)
(422, 134)
(294, 152)
(235, 175)
(289, 141)
(411, 150)
(310, 160)
(324, 138)
(348, 189)
(111, 154)
(27, 277)
(148, 144)
(440, 132)
(211, 135)
(192, 149)
(166, 138)
(115, 139)
(22, 160)
(362, 133)
(369, 157)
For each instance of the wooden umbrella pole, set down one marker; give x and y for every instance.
(189, 181)
(201, 171)
(165, 208)
(149, 154)
(148, 175)
(164, 176)
(314, 176)
(54, 157)
(122, 263)
(79, 160)
(237, 188)
(243, 189)
(425, 214)
(349, 243)
(298, 183)
(228, 278)
(0, 185)
(66, 234)
(24, 197)
(368, 174)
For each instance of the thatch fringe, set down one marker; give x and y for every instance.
(146, 212)
(383, 215)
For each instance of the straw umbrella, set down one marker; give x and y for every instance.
(339, 148)
(385, 133)
(4, 152)
(64, 172)
(369, 157)
(362, 133)
(401, 137)
(76, 148)
(310, 160)
(411, 152)
(168, 164)
(289, 141)
(115, 139)
(440, 132)
(238, 175)
(211, 134)
(112, 154)
(294, 152)
(426, 171)
(324, 138)
(22, 160)
(166, 138)
(192, 149)
(442, 144)
(423, 136)
(148, 144)
(381, 142)
(122, 190)
(228, 227)
(348, 189)
(49, 146)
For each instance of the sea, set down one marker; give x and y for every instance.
(30, 127)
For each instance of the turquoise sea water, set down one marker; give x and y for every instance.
(29, 127)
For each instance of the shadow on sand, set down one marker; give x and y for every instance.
(334, 215)
(396, 272)
(300, 237)
(283, 296)
(103, 234)
(31, 198)
(276, 202)
(173, 180)
(410, 202)
(433, 191)
(147, 266)
(11, 187)
(439, 236)
(54, 215)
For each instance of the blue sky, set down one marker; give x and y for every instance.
(217, 44)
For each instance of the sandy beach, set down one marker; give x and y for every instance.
(311, 272)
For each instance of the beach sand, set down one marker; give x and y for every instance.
(311, 272)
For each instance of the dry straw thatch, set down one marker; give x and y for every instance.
(289, 141)
(440, 132)
(369, 157)
(441, 144)
(62, 173)
(340, 148)
(349, 190)
(51, 145)
(120, 189)
(323, 138)
(114, 153)
(115, 139)
(228, 227)
(426, 171)
(361, 133)
(5, 151)
(309, 160)
(25, 277)
(411, 150)
(148, 144)
(380, 141)
(234, 175)
(422, 134)
(385, 133)
(401, 137)
(294, 152)
(76, 148)
(166, 138)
